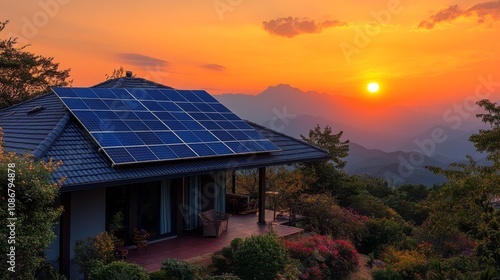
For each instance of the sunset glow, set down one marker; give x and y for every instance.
(246, 46)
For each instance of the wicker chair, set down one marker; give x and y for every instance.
(214, 223)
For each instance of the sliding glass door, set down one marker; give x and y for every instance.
(167, 211)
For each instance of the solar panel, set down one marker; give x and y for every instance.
(134, 125)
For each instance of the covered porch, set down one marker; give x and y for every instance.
(193, 247)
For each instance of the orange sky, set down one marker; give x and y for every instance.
(419, 51)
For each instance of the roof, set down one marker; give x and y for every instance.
(25, 132)
(129, 82)
(53, 133)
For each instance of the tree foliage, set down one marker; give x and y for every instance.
(488, 140)
(289, 185)
(24, 75)
(32, 198)
(465, 203)
(331, 142)
(326, 176)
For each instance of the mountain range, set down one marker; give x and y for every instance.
(392, 142)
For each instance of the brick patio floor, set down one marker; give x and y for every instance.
(195, 248)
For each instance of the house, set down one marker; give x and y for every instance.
(160, 188)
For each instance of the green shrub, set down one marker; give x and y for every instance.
(381, 232)
(221, 263)
(86, 256)
(458, 267)
(119, 270)
(411, 264)
(223, 260)
(260, 257)
(235, 243)
(372, 206)
(92, 251)
(48, 272)
(179, 270)
(224, 277)
(158, 275)
(386, 274)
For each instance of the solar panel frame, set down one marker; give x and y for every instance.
(135, 125)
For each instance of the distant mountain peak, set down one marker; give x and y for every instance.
(281, 89)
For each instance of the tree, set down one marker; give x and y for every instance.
(28, 196)
(24, 75)
(466, 201)
(331, 142)
(488, 140)
(248, 182)
(326, 176)
(290, 187)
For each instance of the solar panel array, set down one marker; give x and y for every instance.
(133, 125)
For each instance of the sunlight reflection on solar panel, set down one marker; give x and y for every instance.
(135, 125)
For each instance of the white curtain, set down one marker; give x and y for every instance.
(165, 207)
(220, 192)
(192, 202)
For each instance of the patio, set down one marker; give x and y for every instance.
(192, 247)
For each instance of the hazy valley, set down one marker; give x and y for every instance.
(395, 143)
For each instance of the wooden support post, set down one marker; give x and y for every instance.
(65, 235)
(262, 196)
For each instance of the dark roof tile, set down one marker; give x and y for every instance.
(23, 132)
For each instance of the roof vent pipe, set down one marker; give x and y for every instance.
(128, 74)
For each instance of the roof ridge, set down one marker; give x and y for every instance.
(40, 151)
(119, 83)
(286, 135)
(105, 82)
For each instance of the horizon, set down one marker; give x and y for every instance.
(419, 53)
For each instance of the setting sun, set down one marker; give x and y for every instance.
(373, 87)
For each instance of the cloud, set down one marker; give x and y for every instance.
(142, 60)
(214, 67)
(292, 26)
(479, 11)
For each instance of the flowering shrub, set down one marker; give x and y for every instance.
(323, 258)
(324, 216)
